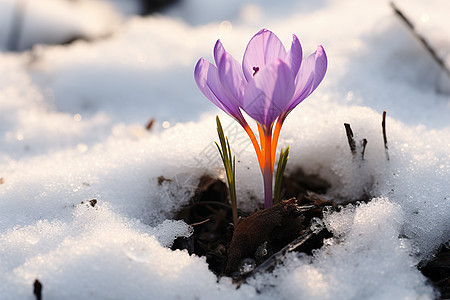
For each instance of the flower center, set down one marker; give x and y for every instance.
(255, 69)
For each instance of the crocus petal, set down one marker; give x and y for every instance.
(303, 87)
(207, 79)
(263, 49)
(268, 93)
(202, 70)
(295, 55)
(321, 63)
(218, 51)
(311, 73)
(231, 77)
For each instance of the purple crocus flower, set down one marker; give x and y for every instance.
(269, 84)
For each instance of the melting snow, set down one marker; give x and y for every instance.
(72, 122)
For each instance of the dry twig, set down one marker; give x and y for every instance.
(150, 124)
(351, 140)
(383, 125)
(37, 289)
(275, 259)
(421, 39)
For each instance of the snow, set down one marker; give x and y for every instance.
(427, 22)
(54, 21)
(363, 236)
(73, 118)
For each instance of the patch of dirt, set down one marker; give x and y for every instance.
(258, 235)
(261, 238)
(438, 272)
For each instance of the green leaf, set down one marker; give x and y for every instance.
(229, 163)
(282, 161)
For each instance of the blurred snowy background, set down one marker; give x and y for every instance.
(80, 80)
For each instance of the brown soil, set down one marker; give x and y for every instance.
(261, 237)
(258, 235)
(438, 272)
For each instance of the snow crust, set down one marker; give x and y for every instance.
(73, 118)
(364, 234)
